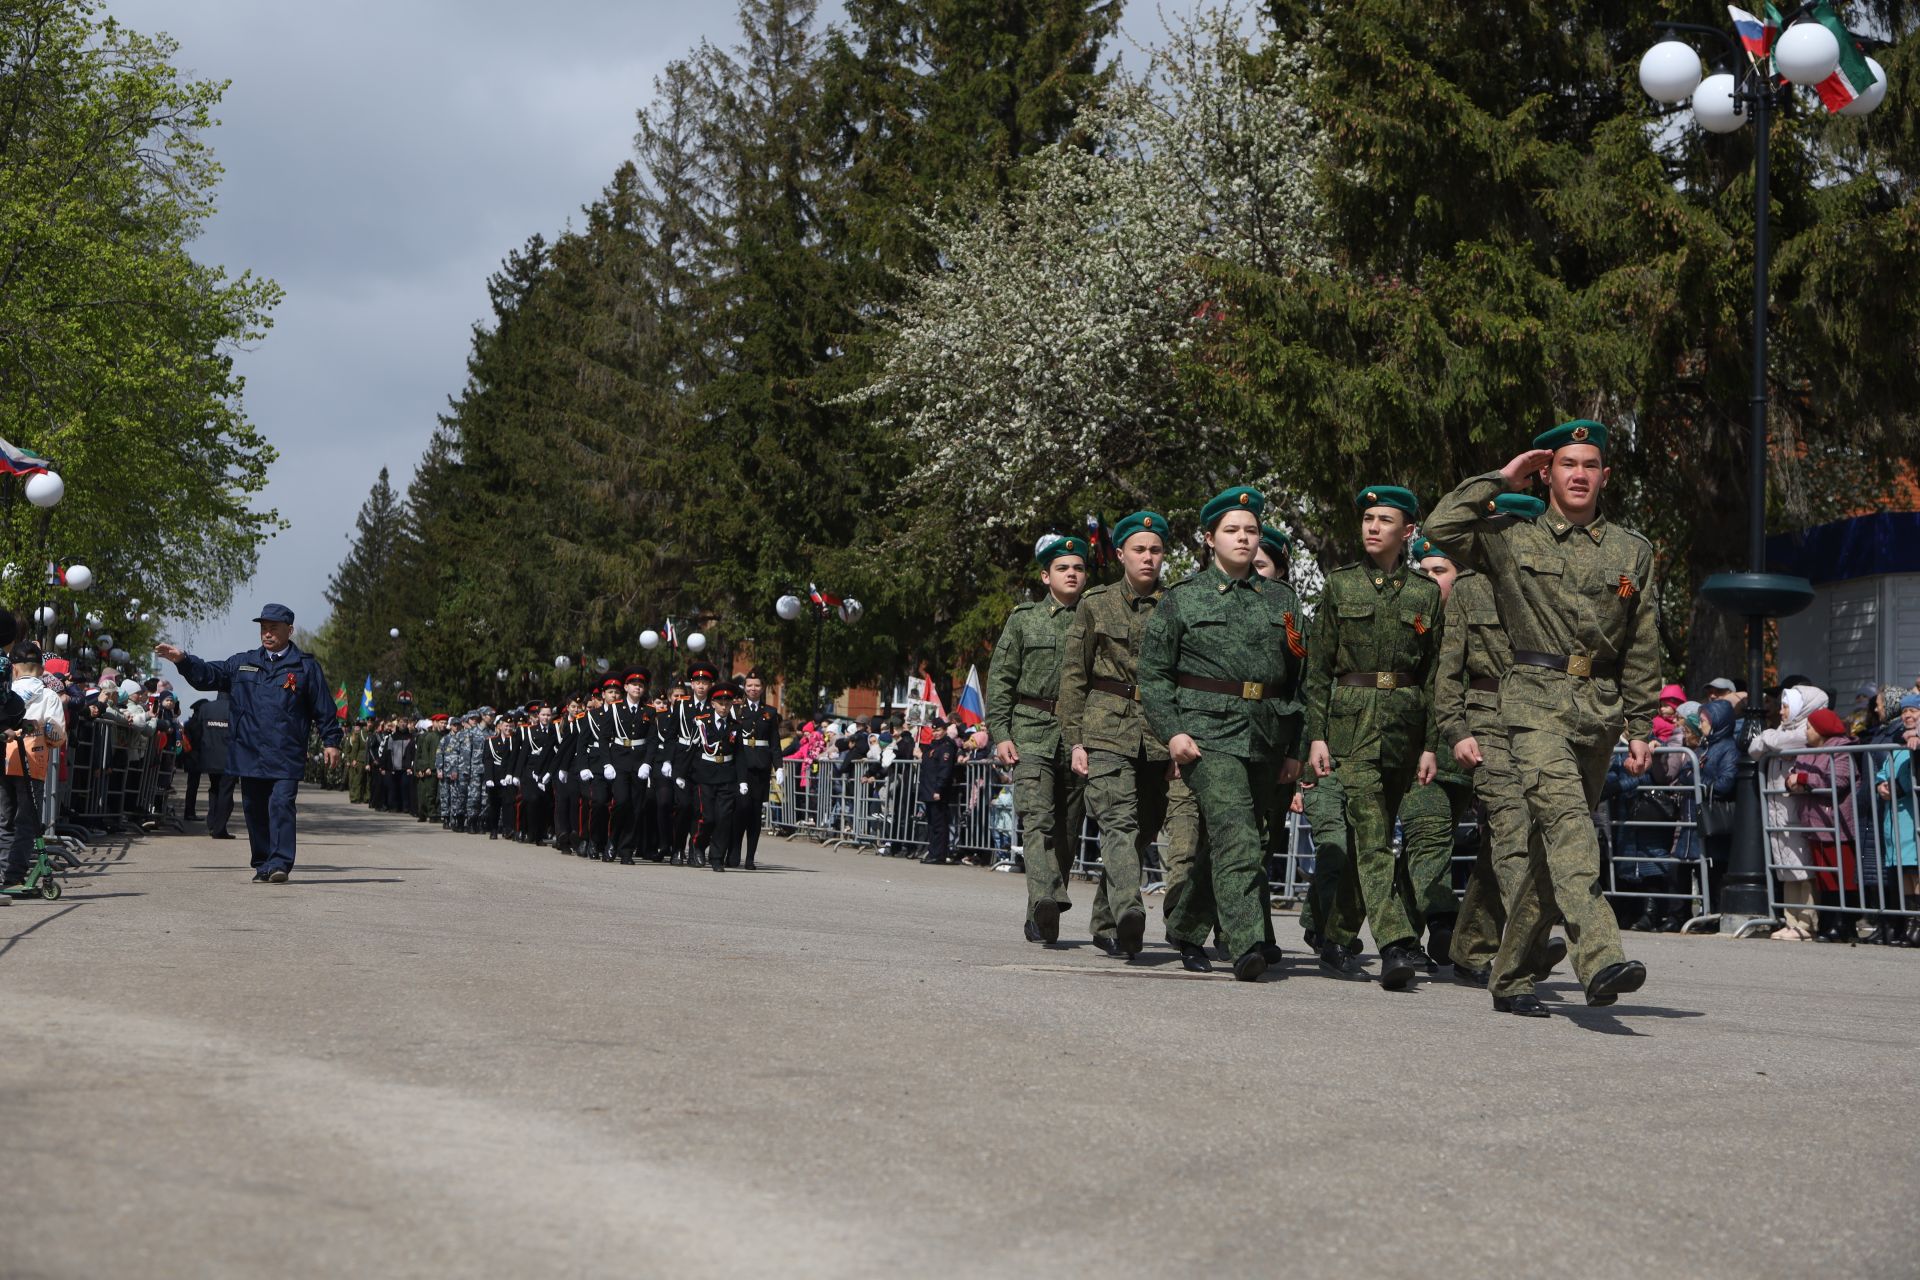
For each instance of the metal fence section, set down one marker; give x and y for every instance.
(1654, 837)
(1846, 821)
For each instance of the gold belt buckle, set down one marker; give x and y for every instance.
(1253, 690)
(1383, 680)
(1579, 664)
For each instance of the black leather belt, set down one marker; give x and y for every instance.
(1042, 704)
(1251, 690)
(1377, 679)
(1119, 688)
(1485, 684)
(1578, 664)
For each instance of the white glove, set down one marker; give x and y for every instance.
(513, 781)
(491, 782)
(743, 788)
(680, 783)
(540, 783)
(666, 769)
(646, 771)
(586, 775)
(607, 773)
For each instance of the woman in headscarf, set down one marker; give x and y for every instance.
(1900, 823)
(1776, 749)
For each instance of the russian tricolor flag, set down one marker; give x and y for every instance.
(15, 461)
(971, 709)
(1755, 33)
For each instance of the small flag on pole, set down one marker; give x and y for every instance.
(366, 700)
(15, 461)
(1853, 76)
(971, 709)
(340, 702)
(929, 694)
(673, 637)
(1758, 34)
(825, 600)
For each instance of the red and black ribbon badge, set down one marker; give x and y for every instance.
(289, 684)
(1296, 644)
(1626, 587)
(1419, 624)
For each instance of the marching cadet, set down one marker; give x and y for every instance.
(1431, 815)
(1376, 635)
(597, 772)
(539, 756)
(719, 774)
(628, 753)
(1575, 598)
(355, 751)
(1132, 787)
(699, 682)
(443, 769)
(1474, 657)
(669, 772)
(497, 768)
(760, 744)
(1022, 685)
(1220, 671)
(566, 773)
(475, 766)
(426, 774)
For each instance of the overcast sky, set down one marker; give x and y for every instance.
(380, 161)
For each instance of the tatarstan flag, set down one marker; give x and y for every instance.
(1853, 76)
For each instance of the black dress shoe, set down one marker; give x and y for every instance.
(1312, 937)
(1421, 959)
(1472, 977)
(1615, 981)
(259, 877)
(224, 835)
(1131, 932)
(1273, 953)
(1194, 959)
(493, 835)
(1250, 966)
(1046, 918)
(1397, 965)
(1033, 934)
(1556, 953)
(1526, 1004)
(1108, 945)
(1440, 945)
(1336, 963)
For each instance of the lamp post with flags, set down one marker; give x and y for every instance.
(823, 604)
(1812, 48)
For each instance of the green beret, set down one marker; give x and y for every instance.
(1424, 546)
(1579, 431)
(1238, 498)
(1387, 495)
(1521, 506)
(1061, 547)
(1140, 522)
(1274, 540)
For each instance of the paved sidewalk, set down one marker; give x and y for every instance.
(435, 1055)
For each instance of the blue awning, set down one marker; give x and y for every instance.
(1858, 548)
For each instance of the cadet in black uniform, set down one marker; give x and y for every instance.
(566, 777)
(760, 745)
(594, 767)
(720, 776)
(665, 784)
(700, 678)
(630, 740)
(496, 765)
(539, 756)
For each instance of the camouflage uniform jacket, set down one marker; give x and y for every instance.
(1217, 627)
(1374, 620)
(1103, 643)
(1026, 664)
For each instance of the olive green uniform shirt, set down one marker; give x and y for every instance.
(1026, 664)
(1103, 643)
(1372, 619)
(1218, 627)
(1473, 646)
(1569, 591)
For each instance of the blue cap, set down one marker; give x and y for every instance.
(275, 613)
(1910, 701)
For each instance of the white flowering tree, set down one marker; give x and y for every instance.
(1041, 361)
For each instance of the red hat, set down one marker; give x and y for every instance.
(702, 671)
(438, 715)
(611, 682)
(1827, 724)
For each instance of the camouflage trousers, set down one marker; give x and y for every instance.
(1561, 781)
(1233, 796)
(1049, 798)
(1501, 863)
(1134, 799)
(1373, 796)
(1429, 816)
(1333, 907)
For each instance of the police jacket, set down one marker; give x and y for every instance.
(207, 731)
(759, 735)
(940, 771)
(276, 702)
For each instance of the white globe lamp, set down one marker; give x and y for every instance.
(62, 640)
(850, 610)
(1670, 71)
(44, 615)
(1806, 53)
(46, 489)
(393, 633)
(696, 642)
(562, 662)
(79, 577)
(1713, 106)
(788, 608)
(649, 639)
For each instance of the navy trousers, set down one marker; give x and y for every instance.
(268, 806)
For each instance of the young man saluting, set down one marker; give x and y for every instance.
(1574, 595)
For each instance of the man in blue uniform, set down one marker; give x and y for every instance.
(279, 696)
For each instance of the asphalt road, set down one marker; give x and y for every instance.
(432, 1055)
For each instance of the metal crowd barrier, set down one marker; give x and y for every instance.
(118, 779)
(1873, 837)
(1638, 842)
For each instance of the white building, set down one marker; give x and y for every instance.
(1864, 623)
